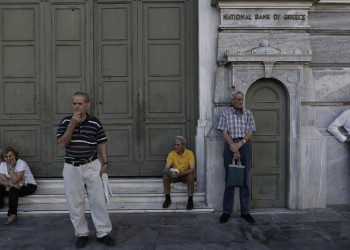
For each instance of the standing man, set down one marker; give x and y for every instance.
(180, 167)
(82, 136)
(237, 125)
(341, 121)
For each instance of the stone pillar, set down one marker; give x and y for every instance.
(207, 41)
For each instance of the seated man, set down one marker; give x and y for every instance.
(180, 167)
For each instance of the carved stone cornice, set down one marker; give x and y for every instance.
(267, 55)
(263, 4)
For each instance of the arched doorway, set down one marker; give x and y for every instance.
(267, 99)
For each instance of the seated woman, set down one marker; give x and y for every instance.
(16, 180)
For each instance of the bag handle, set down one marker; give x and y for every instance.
(238, 162)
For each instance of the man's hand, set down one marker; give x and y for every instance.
(104, 169)
(234, 147)
(175, 175)
(237, 155)
(76, 118)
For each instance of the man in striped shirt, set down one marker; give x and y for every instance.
(237, 125)
(82, 136)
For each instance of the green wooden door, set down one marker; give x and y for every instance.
(144, 81)
(134, 58)
(268, 102)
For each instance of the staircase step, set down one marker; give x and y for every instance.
(130, 195)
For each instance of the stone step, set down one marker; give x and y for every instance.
(129, 195)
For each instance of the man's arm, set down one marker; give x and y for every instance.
(102, 147)
(167, 169)
(333, 128)
(189, 171)
(65, 139)
(236, 146)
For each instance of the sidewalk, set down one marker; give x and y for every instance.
(274, 229)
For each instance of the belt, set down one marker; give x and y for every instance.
(81, 162)
(237, 139)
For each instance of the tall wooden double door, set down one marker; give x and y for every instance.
(136, 58)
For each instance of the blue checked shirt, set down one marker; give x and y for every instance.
(236, 125)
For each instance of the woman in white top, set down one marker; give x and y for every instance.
(16, 180)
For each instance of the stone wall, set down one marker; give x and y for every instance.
(319, 170)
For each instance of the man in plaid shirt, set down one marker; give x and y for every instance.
(237, 125)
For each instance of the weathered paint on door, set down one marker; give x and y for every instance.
(268, 102)
(135, 59)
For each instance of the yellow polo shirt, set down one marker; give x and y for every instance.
(181, 162)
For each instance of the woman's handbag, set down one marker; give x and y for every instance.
(235, 174)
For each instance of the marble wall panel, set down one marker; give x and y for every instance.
(332, 85)
(325, 20)
(330, 49)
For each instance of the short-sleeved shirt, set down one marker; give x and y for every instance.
(20, 166)
(342, 121)
(237, 125)
(181, 162)
(86, 136)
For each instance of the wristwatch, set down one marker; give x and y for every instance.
(105, 163)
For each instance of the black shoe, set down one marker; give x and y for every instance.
(248, 218)
(106, 240)
(224, 217)
(81, 241)
(189, 205)
(2, 203)
(166, 203)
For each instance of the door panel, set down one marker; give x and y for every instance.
(166, 90)
(116, 75)
(267, 100)
(144, 101)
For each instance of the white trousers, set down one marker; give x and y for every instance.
(76, 181)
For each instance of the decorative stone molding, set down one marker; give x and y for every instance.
(265, 4)
(264, 54)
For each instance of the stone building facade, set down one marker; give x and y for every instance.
(292, 61)
(151, 77)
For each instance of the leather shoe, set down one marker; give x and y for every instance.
(189, 205)
(248, 218)
(11, 219)
(166, 203)
(81, 241)
(2, 203)
(224, 217)
(106, 240)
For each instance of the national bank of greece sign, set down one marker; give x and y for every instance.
(264, 18)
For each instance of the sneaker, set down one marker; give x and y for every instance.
(189, 205)
(248, 218)
(224, 217)
(81, 242)
(166, 203)
(106, 240)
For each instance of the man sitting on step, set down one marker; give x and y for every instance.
(180, 167)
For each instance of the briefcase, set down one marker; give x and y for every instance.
(235, 174)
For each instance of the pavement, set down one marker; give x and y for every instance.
(274, 229)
